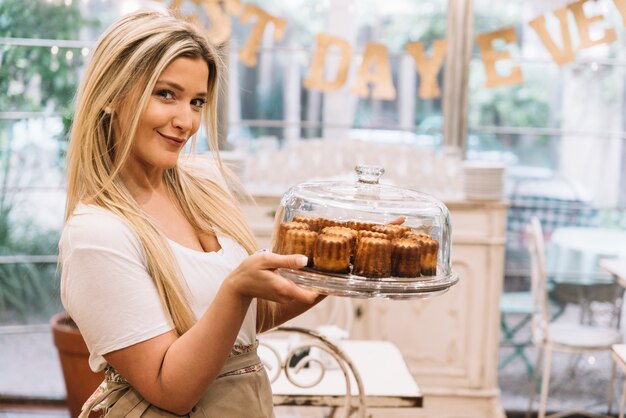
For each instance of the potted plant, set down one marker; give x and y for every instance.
(80, 381)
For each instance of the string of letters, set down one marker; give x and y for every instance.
(375, 68)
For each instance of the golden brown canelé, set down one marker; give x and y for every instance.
(405, 258)
(324, 222)
(403, 228)
(313, 223)
(373, 258)
(415, 235)
(392, 231)
(351, 234)
(370, 234)
(299, 241)
(428, 258)
(361, 226)
(332, 254)
(284, 227)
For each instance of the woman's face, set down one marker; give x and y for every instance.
(172, 115)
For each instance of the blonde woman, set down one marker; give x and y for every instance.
(159, 269)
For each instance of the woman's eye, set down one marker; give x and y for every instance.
(198, 102)
(166, 94)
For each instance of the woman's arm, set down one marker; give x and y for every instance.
(173, 371)
(272, 314)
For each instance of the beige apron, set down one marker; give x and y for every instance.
(242, 389)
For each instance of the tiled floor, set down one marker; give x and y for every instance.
(579, 381)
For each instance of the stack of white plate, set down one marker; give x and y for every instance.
(484, 180)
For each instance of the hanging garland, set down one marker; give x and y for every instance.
(375, 68)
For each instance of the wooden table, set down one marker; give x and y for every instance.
(379, 365)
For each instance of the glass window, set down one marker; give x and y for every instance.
(270, 99)
(559, 118)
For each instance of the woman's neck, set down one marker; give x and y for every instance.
(143, 182)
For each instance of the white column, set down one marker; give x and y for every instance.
(407, 93)
(265, 63)
(339, 106)
(460, 35)
(234, 100)
(291, 96)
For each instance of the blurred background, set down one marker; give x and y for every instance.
(559, 134)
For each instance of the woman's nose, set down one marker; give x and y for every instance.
(183, 118)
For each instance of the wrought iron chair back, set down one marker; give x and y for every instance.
(293, 362)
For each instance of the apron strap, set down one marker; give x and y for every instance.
(241, 361)
(106, 389)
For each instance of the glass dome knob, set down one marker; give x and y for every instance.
(369, 174)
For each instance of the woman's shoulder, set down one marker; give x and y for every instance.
(97, 217)
(92, 225)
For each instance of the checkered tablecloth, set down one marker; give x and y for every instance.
(553, 213)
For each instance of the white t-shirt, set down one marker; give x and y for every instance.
(106, 288)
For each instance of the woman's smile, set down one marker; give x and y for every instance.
(173, 139)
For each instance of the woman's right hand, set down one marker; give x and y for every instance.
(255, 278)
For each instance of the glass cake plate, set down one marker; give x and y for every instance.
(311, 212)
(350, 285)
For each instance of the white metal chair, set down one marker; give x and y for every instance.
(557, 336)
(619, 359)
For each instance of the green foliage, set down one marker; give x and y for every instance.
(32, 78)
(29, 292)
(519, 105)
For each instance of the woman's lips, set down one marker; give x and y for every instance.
(174, 139)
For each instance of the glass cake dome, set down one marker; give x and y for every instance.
(366, 239)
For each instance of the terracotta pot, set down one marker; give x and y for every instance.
(80, 381)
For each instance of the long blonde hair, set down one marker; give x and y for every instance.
(126, 63)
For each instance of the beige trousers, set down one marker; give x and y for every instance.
(241, 390)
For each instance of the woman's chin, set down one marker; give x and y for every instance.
(169, 162)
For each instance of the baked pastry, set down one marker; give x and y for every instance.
(415, 235)
(361, 226)
(351, 234)
(373, 258)
(374, 250)
(403, 228)
(392, 231)
(299, 241)
(313, 223)
(324, 222)
(429, 248)
(428, 257)
(284, 227)
(332, 254)
(370, 234)
(405, 258)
